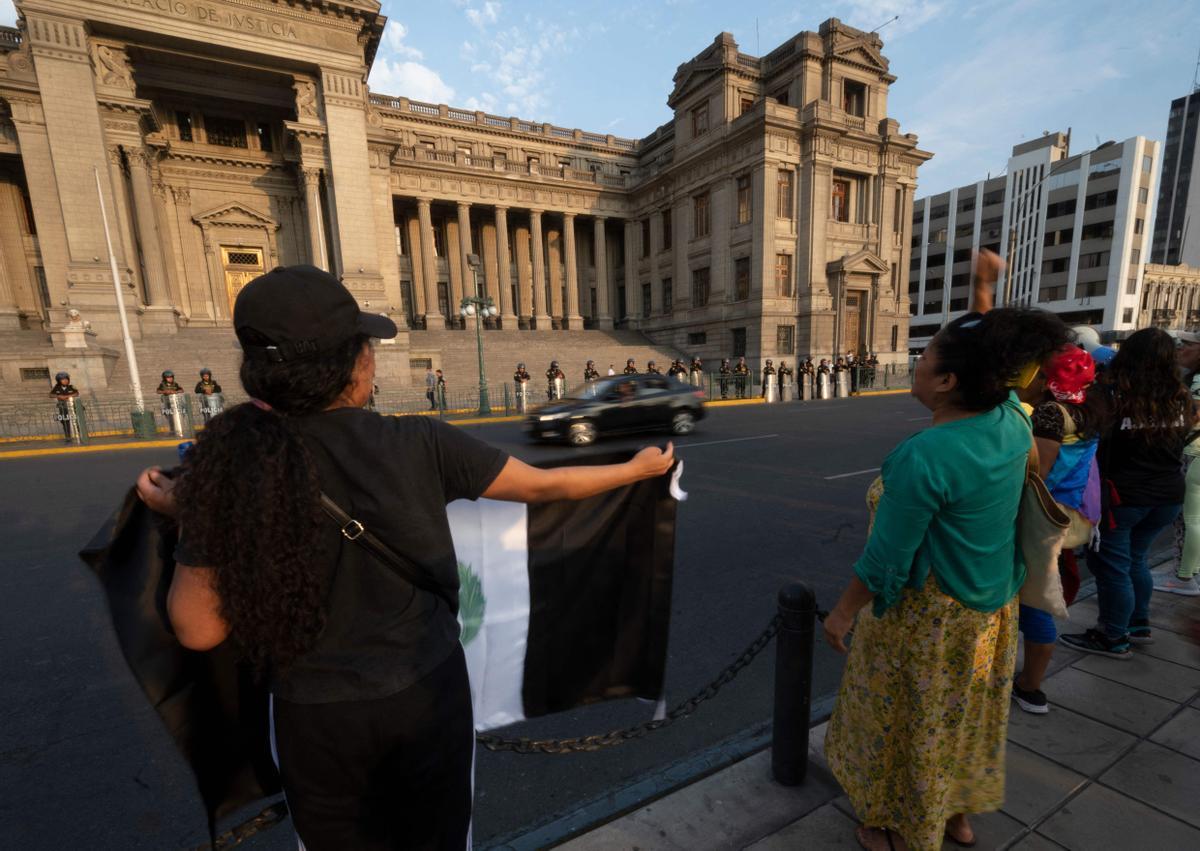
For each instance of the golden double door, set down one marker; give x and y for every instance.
(241, 266)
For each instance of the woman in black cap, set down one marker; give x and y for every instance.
(371, 705)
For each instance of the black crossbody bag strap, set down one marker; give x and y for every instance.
(354, 531)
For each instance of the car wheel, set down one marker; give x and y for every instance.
(684, 422)
(581, 434)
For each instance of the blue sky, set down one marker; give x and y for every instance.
(975, 78)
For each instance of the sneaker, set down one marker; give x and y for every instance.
(1094, 641)
(1139, 633)
(1172, 584)
(1033, 702)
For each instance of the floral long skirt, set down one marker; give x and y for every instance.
(918, 731)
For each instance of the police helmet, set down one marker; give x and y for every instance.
(628, 362)
(61, 375)
(648, 363)
(520, 366)
(769, 361)
(206, 371)
(591, 363)
(724, 360)
(554, 364)
(168, 374)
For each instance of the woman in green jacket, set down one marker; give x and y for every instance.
(917, 736)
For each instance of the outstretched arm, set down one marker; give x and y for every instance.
(519, 482)
(988, 266)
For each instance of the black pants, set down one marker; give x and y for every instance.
(388, 773)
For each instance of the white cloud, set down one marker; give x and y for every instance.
(488, 13)
(394, 41)
(515, 64)
(409, 79)
(8, 13)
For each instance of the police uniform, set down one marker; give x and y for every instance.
(521, 378)
(207, 388)
(808, 377)
(651, 369)
(785, 376)
(552, 374)
(61, 393)
(741, 372)
(590, 373)
(630, 369)
(725, 371)
(768, 370)
(677, 370)
(169, 388)
(696, 367)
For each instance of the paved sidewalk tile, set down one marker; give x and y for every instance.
(992, 830)
(1165, 679)
(1181, 733)
(1173, 613)
(1069, 739)
(1162, 778)
(1102, 819)
(1036, 842)
(1173, 647)
(1035, 786)
(1120, 705)
(827, 827)
(730, 809)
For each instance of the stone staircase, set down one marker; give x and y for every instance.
(453, 351)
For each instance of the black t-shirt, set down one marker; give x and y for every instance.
(1145, 471)
(396, 475)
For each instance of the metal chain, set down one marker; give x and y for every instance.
(587, 744)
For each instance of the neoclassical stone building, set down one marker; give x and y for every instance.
(1170, 297)
(771, 217)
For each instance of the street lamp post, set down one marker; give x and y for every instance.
(480, 307)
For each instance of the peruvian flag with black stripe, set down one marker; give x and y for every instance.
(566, 603)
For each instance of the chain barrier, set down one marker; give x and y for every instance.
(591, 744)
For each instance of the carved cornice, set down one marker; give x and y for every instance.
(58, 38)
(341, 89)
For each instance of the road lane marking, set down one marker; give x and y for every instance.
(731, 440)
(855, 473)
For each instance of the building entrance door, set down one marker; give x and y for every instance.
(242, 265)
(852, 333)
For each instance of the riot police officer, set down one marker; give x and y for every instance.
(521, 379)
(740, 372)
(590, 373)
(168, 385)
(872, 370)
(768, 372)
(808, 378)
(676, 370)
(63, 390)
(209, 393)
(630, 369)
(696, 371)
(553, 375)
(725, 371)
(651, 368)
(786, 374)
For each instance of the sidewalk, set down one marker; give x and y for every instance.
(1115, 764)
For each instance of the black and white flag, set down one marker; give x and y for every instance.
(565, 603)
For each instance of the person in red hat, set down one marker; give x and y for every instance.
(1067, 422)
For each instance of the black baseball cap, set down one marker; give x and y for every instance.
(294, 312)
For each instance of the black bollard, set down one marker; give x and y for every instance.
(793, 684)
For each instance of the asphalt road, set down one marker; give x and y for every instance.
(776, 494)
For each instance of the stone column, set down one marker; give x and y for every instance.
(603, 288)
(9, 317)
(524, 276)
(633, 288)
(464, 242)
(508, 317)
(433, 315)
(541, 316)
(311, 179)
(413, 229)
(555, 276)
(143, 212)
(573, 319)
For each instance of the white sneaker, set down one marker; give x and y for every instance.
(1172, 584)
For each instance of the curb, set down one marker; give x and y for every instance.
(902, 390)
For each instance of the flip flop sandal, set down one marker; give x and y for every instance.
(955, 841)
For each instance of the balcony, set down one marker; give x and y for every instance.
(505, 166)
(826, 112)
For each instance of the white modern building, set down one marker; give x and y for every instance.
(1073, 229)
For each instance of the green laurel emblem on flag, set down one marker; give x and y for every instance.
(471, 603)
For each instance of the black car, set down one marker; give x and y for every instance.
(618, 405)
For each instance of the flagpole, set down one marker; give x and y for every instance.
(134, 378)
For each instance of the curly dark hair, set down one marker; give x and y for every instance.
(987, 351)
(1146, 388)
(249, 497)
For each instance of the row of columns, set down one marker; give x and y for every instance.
(535, 305)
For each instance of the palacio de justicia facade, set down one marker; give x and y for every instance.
(770, 217)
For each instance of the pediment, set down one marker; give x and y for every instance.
(236, 214)
(861, 52)
(864, 261)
